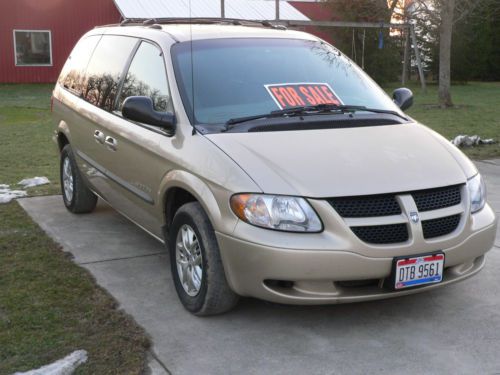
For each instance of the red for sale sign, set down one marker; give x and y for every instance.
(288, 95)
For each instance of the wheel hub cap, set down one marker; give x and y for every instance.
(189, 260)
(67, 177)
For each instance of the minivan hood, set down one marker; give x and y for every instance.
(344, 162)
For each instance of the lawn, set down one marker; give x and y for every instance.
(477, 111)
(49, 306)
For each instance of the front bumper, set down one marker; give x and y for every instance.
(322, 276)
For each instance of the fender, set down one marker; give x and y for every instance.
(58, 106)
(63, 128)
(201, 191)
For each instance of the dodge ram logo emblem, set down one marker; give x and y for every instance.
(414, 217)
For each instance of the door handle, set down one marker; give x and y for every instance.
(99, 136)
(111, 143)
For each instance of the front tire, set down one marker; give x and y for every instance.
(196, 265)
(77, 197)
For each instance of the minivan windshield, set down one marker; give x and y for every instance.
(223, 79)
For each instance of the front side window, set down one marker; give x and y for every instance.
(147, 77)
(105, 70)
(221, 79)
(33, 47)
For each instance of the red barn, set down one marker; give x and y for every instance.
(317, 11)
(37, 35)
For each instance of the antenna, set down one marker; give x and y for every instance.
(192, 68)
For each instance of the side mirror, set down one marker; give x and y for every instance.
(403, 97)
(140, 109)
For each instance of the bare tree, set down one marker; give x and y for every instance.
(445, 33)
(444, 14)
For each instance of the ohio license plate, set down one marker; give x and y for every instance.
(419, 270)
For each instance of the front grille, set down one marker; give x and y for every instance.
(387, 205)
(366, 206)
(440, 227)
(433, 199)
(382, 234)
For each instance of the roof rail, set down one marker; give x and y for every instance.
(233, 21)
(125, 21)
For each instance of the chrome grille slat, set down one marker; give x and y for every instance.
(376, 220)
(442, 212)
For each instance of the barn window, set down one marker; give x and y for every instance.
(33, 47)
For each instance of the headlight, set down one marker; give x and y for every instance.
(277, 212)
(477, 193)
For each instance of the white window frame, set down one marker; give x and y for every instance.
(34, 31)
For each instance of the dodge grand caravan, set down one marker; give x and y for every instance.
(269, 164)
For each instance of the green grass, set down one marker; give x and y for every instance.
(477, 111)
(27, 149)
(49, 306)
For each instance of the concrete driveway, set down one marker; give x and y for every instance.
(450, 330)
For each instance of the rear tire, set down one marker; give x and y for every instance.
(77, 197)
(196, 264)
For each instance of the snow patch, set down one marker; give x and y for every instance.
(64, 366)
(35, 181)
(6, 195)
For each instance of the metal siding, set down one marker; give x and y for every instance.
(317, 11)
(67, 20)
(241, 9)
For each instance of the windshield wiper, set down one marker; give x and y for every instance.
(309, 110)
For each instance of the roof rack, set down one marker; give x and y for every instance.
(232, 21)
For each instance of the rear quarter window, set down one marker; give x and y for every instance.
(73, 73)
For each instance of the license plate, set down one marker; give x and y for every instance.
(419, 270)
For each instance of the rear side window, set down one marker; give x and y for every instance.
(147, 77)
(73, 72)
(105, 70)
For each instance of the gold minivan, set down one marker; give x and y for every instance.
(269, 164)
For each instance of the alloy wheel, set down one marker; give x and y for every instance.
(67, 177)
(189, 260)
